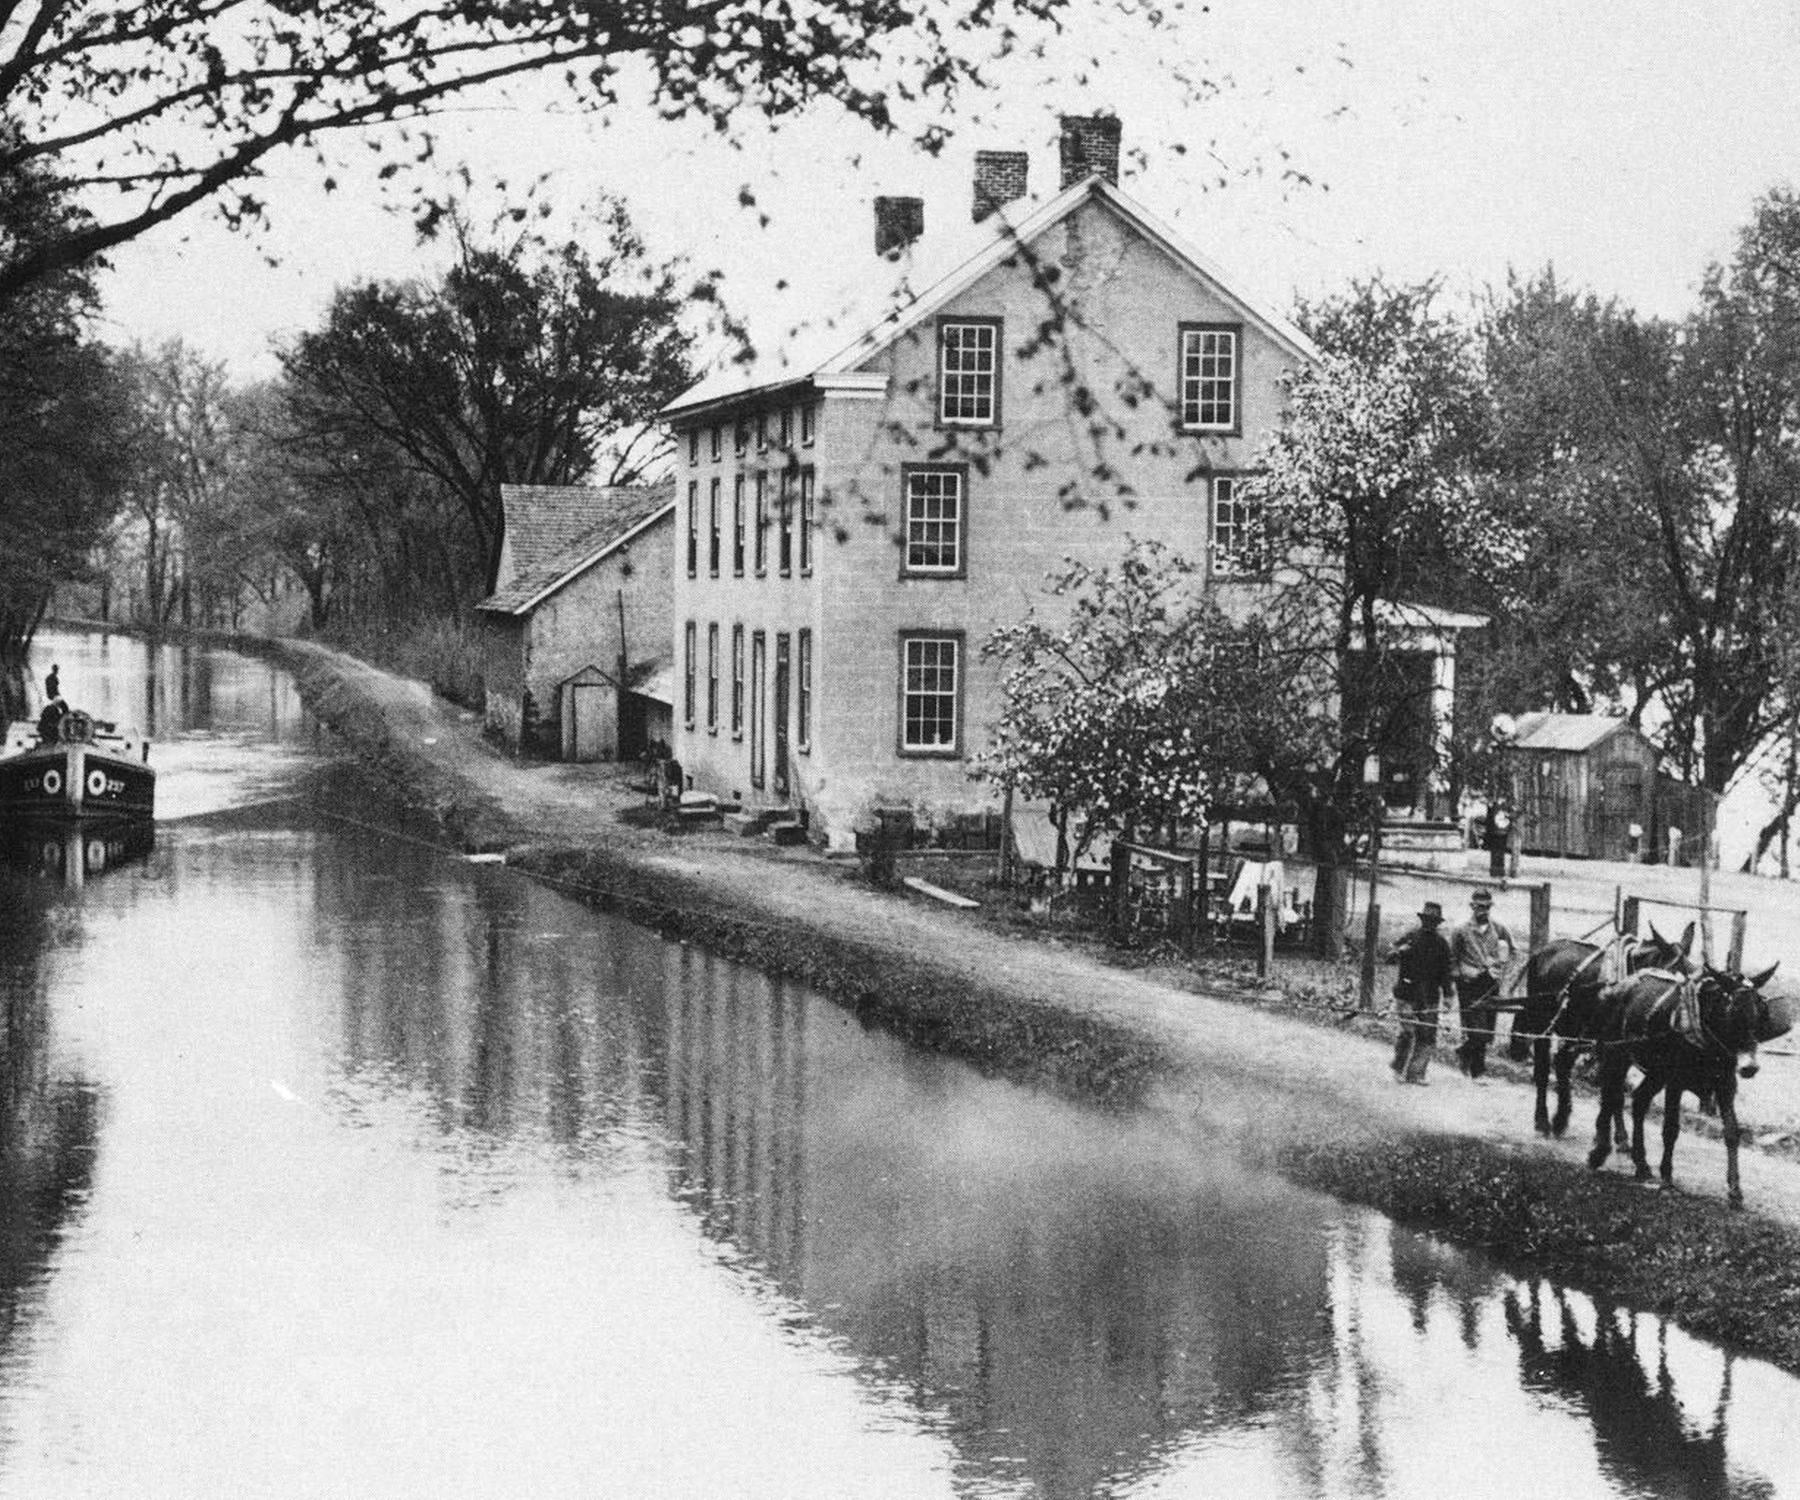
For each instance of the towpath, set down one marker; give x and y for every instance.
(1240, 1069)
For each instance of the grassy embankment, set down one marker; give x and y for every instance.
(1730, 1277)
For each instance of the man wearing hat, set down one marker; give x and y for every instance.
(1481, 950)
(1423, 982)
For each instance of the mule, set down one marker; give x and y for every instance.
(1688, 1036)
(1563, 981)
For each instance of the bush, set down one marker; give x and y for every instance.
(446, 653)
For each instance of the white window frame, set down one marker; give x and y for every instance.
(1210, 369)
(921, 652)
(921, 485)
(1233, 530)
(968, 371)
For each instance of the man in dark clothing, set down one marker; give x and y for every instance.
(53, 684)
(1423, 983)
(50, 721)
(1482, 950)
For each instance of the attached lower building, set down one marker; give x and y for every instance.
(576, 633)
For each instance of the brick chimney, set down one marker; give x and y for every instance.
(1090, 143)
(999, 179)
(898, 222)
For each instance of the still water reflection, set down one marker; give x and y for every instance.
(336, 1167)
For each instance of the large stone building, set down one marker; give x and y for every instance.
(857, 512)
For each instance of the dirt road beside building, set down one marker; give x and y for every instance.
(1316, 1102)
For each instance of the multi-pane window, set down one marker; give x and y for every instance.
(713, 447)
(803, 693)
(809, 424)
(737, 526)
(969, 373)
(740, 437)
(687, 676)
(787, 426)
(761, 519)
(806, 519)
(712, 549)
(694, 445)
(934, 521)
(1209, 379)
(737, 681)
(1237, 535)
(693, 528)
(762, 432)
(930, 691)
(712, 679)
(784, 511)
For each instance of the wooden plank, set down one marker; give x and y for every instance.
(937, 892)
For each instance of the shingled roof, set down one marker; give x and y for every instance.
(555, 532)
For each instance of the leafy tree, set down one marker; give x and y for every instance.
(1370, 502)
(1571, 379)
(179, 527)
(62, 408)
(1138, 709)
(150, 111)
(346, 517)
(519, 366)
(1655, 468)
(1728, 524)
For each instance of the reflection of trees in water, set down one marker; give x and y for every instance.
(48, 1125)
(1068, 1327)
(1641, 1434)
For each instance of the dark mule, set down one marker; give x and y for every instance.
(1563, 981)
(1694, 1036)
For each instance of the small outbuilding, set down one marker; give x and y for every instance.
(1586, 786)
(580, 609)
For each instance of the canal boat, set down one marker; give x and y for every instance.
(85, 769)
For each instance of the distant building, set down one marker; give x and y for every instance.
(580, 618)
(1586, 786)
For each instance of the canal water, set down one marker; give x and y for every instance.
(336, 1166)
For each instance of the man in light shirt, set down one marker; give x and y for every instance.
(1480, 951)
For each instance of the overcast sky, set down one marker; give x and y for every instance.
(1420, 138)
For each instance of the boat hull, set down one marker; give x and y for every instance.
(76, 781)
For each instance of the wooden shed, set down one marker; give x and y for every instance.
(1586, 786)
(1582, 786)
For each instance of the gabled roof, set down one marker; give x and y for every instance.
(556, 532)
(1548, 731)
(887, 298)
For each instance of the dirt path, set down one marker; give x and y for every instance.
(1259, 1075)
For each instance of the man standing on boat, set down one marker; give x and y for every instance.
(53, 684)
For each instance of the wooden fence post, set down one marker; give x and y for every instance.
(1540, 915)
(1365, 994)
(1734, 960)
(1265, 932)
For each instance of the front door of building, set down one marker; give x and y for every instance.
(782, 677)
